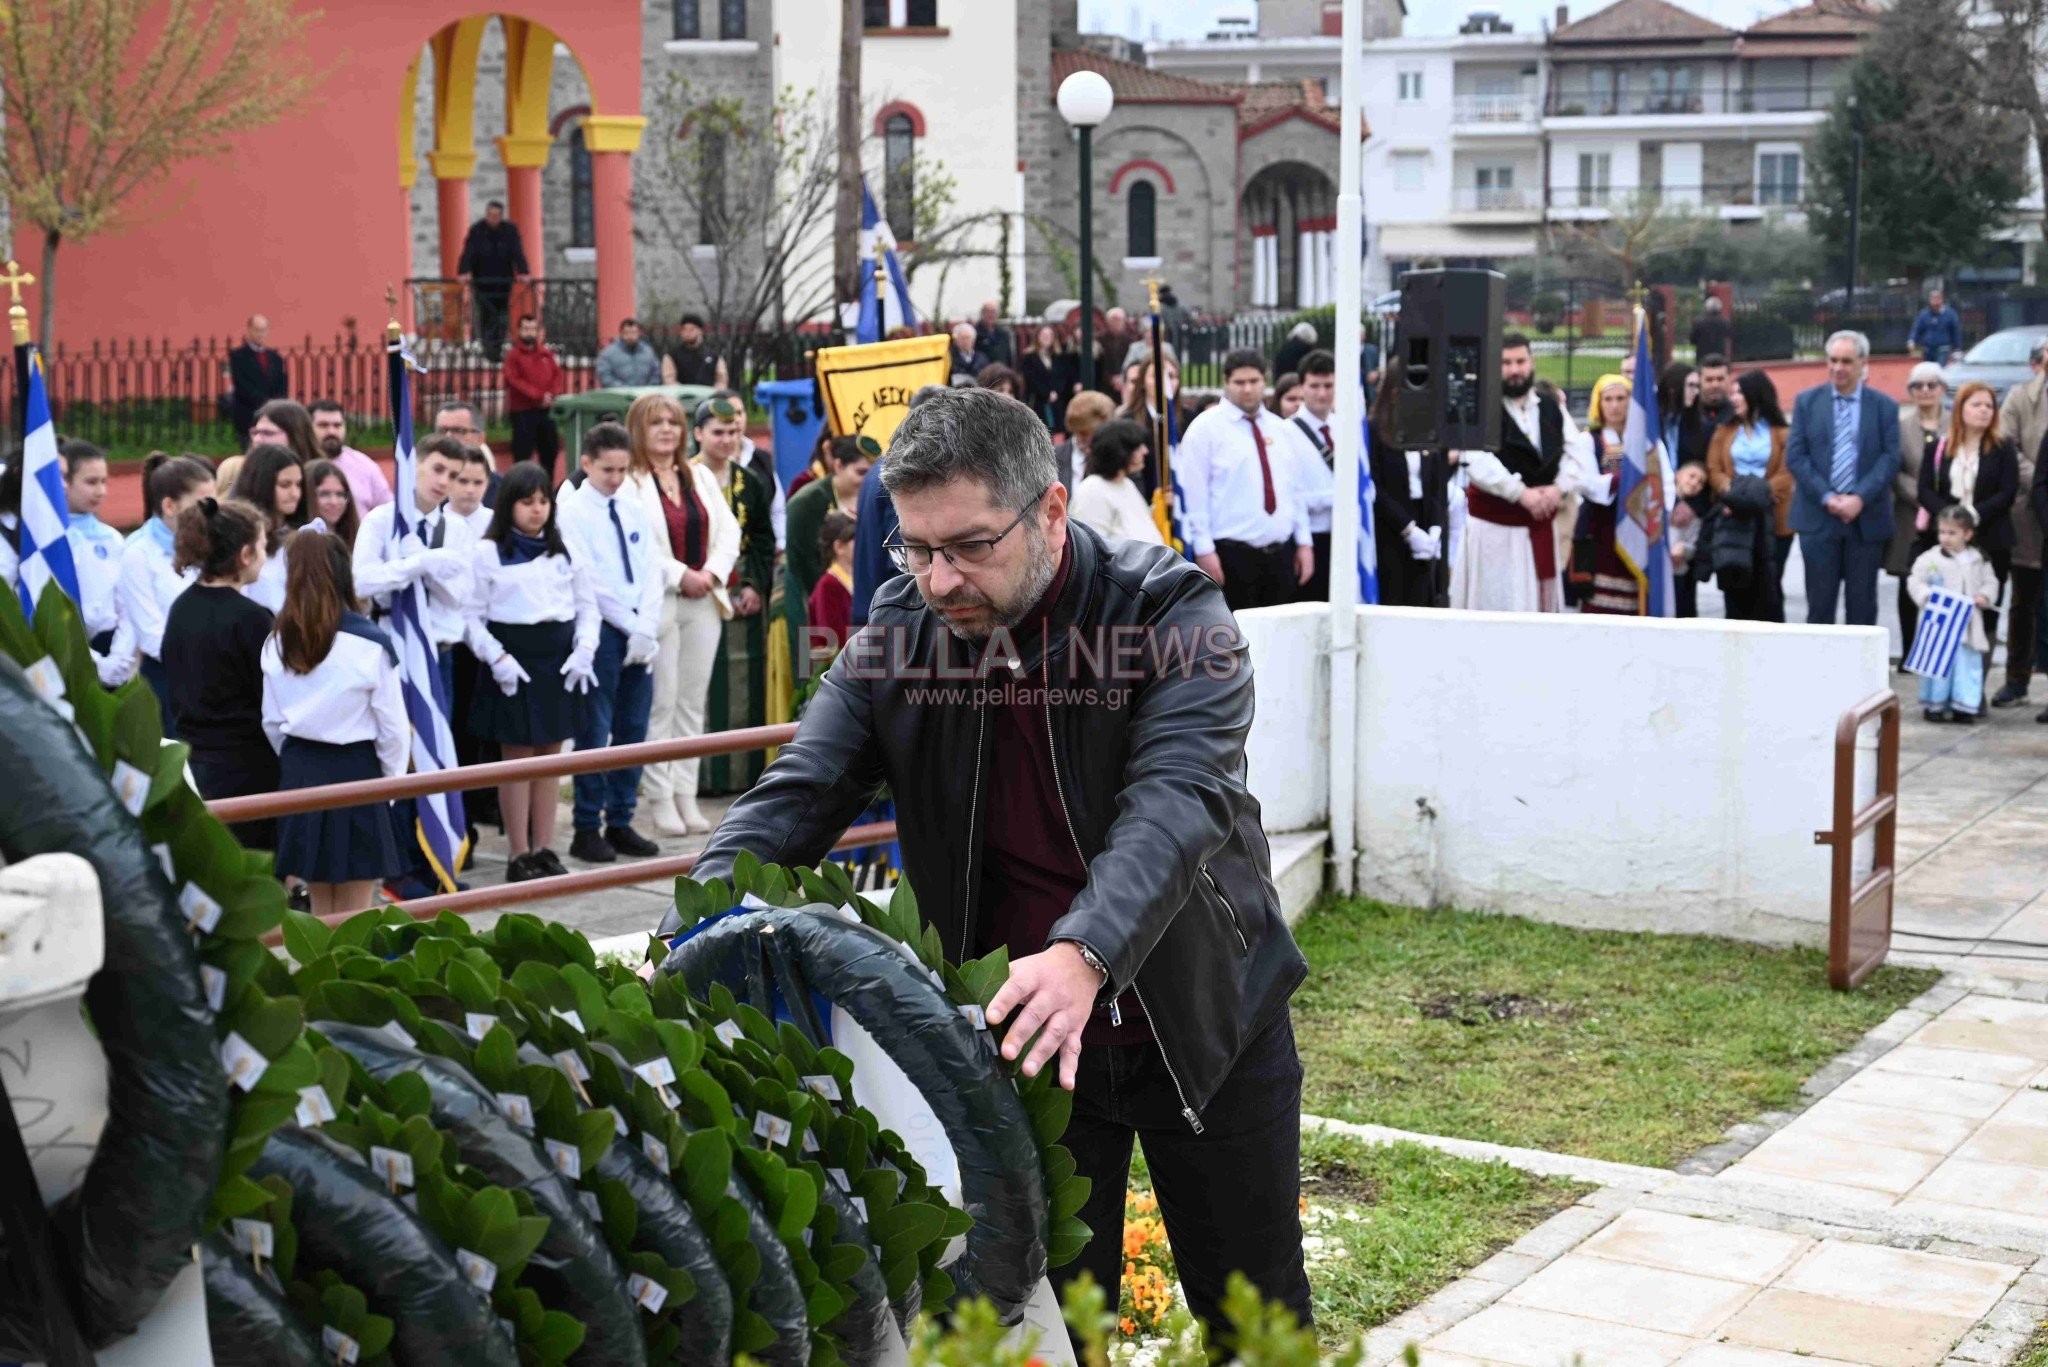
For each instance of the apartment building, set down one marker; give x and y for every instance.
(1645, 100)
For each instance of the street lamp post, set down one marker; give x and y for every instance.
(1855, 196)
(1085, 100)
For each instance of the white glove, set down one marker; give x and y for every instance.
(640, 648)
(577, 674)
(508, 673)
(113, 673)
(1421, 545)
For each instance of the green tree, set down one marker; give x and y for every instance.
(103, 98)
(1942, 169)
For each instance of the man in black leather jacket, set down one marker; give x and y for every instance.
(1061, 722)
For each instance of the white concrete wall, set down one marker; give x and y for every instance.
(1632, 775)
(1288, 752)
(964, 84)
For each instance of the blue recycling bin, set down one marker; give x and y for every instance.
(796, 418)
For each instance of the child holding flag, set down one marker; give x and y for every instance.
(1958, 571)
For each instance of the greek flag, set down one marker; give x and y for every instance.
(1641, 512)
(440, 827)
(880, 311)
(1944, 625)
(45, 510)
(1368, 550)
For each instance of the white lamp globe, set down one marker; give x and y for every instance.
(1085, 99)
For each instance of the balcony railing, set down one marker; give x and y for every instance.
(1469, 110)
(1581, 102)
(1710, 195)
(1485, 199)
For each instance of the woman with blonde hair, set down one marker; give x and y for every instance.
(1599, 576)
(703, 542)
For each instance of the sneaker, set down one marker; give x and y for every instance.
(522, 868)
(1963, 718)
(2010, 696)
(592, 848)
(630, 842)
(549, 863)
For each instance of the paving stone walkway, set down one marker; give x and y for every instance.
(1900, 1219)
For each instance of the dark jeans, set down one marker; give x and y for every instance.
(1230, 1195)
(2019, 626)
(493, 301)
(1317, 589)
(1839, 567)
(536, 438)
(614, 713)
(1257, 576)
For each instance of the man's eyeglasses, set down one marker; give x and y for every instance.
(1924, 384)
(917, 560)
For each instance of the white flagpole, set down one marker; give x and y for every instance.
(1344, 527)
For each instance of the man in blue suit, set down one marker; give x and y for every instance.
(1843, 452)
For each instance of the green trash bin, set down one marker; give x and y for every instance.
(576, 414)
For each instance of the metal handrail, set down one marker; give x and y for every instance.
(1860, 914)
(469, 902)
(293, 801)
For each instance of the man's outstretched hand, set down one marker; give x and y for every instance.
(1055, 989)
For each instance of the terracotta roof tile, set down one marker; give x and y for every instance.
(1136, 84)
(1640, 21)
(1821, 18)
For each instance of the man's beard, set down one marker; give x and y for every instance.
(1004, 612)
(330, 447)
(1515, 389)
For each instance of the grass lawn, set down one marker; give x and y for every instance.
(1637, 1048)
(1388, 1225)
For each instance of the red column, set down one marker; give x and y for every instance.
(522, 203)
(611, 184)
(452, 195)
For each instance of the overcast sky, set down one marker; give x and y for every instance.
(1166, 20)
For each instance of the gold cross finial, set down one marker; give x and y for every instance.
(1638, 293)
(391, 303)
(1152, 285)
(15, 278)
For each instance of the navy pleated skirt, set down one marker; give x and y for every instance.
(543, 711)
(341, 846)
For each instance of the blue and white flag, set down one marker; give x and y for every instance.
(1944, 626)
(1368, 549)
(441, 826)
(1641, 510)
(45, 509)
(881, 311)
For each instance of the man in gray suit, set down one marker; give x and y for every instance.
(1843, 453)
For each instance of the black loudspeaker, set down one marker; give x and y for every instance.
(1446, 362)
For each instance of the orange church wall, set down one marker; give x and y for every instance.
(304, 220)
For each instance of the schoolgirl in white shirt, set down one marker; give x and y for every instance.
(334, 710)
(272, 480)
(149, 579)
(95, 550)
(534, 625)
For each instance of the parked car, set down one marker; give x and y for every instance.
(2000, 360)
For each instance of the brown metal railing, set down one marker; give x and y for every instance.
(564, 765)
(1860, 914)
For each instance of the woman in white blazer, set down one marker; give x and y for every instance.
(703, 544)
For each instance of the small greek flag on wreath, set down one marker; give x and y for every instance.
(1944, 626)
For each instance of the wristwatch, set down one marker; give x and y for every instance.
(1093, 960)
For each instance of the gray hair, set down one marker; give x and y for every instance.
(974, 434)
(1928, 370)
(2039, 350)
(1861, 343)
(926, 393)
(1303, 331)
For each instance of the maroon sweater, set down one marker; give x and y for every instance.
(1031, 869)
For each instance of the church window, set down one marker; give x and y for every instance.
(1142, 206)
(899, 170)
